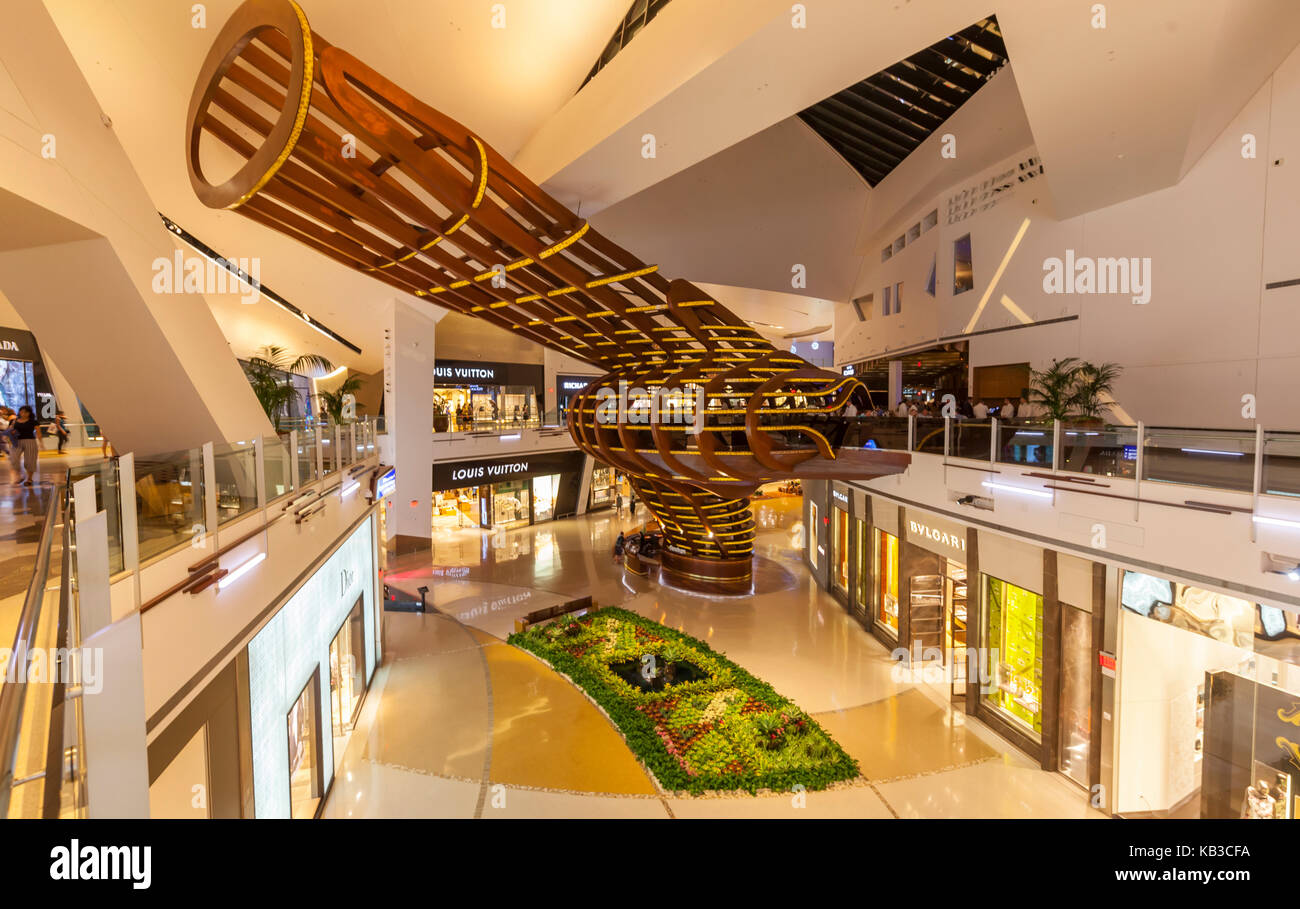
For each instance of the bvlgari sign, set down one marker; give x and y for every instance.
(924, 533)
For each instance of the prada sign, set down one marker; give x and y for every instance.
(943, 539)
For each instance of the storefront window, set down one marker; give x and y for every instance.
(304, 752)
(813, 535)
(347, 678)
(510, 503)
(1209, 704)
(1076, 693)
(886, 574)
(456, 507)
(862, 596)
(545, 489)
(1015, 630)
(840, 545)
(602, 486)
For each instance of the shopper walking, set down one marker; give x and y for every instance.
(24, 433)
(60, 429)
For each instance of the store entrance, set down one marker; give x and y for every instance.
(937, 619)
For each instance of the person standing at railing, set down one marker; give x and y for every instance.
(24, 434)
(1008, 410)
(981, 410)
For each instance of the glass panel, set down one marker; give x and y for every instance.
(168, 500)
(276, 475)
(1110, 450)
(306, 456)
(304, 753)
(1029, 444)
(963, 276)
(1076, 693)
(329, 454)
(107, 499)
(878, 432)
(928, 435)
(235, 465)
(887, 579)
(1014, 629)
(1281, 463)
(971, 439)
(1200, 457)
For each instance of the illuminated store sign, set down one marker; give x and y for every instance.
(574, 383)
(466, 373)
(386, 484)
(457, 474)
(488, 471)
(944, 538)
(840, 496)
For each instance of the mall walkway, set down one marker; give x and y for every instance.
(459, 724)
(22, 514)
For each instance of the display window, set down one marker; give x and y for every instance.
(1014, 629)
(347, 678)
(456, 507)
(862, 596)
(1076, 693)
(510, 506)
(545, 490)
(304, 752)
(813, 535)
(886, 575)
(840, 549)
(602, 486)
(1209, 706)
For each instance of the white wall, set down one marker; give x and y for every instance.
(1210, 332)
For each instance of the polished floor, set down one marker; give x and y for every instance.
(459, 724)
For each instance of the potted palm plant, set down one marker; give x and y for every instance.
(1054, 388)
(1094, 382)
(334, 401)
(268, 372)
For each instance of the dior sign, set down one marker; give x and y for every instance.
(953, 540)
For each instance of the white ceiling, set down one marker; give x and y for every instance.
(141, 58)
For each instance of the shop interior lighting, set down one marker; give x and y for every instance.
(242, 570)
(1037, 493)
(511, 437)
(350, 488)
(1212, 451)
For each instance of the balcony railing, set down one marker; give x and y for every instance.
(1253, 461)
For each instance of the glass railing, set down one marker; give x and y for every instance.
(1281, 473)
(235, 477)
(277, 467)
(1212, 458)
(1106, 450)
(306, 454)
(169, 504)
(1027, 444)
(971, 439)
(1199, 457)
(42, 770)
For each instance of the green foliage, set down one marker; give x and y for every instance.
(716, 733)
(1071, 387)
(333, 401)
(267, 374)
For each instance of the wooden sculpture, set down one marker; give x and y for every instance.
(340, 158)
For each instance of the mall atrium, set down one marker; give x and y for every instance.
(650, 409)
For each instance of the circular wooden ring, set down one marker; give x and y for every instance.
(251, 18)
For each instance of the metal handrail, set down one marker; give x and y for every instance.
(14, 694)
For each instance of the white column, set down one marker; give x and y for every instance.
(895, 383)
(408, 407)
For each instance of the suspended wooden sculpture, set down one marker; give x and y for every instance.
(338, 157)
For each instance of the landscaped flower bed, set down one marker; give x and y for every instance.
(696, 719)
